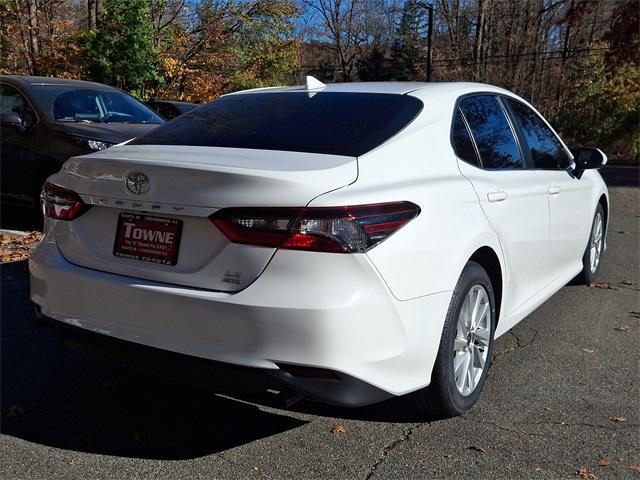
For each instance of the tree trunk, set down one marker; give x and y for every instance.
(91, 14)
(94, 7)
(34, 45)
(479, 37)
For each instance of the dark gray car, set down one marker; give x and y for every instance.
(44, 121)
(169, 109)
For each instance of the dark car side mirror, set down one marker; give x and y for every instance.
(11, 120)
(587, 158)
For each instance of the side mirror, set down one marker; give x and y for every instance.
(587, 158)
(11, 120)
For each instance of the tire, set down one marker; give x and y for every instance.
(444, 397)
(595, 246)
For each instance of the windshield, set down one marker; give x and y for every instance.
(335, 123)
(70, 103)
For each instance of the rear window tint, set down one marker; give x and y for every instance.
(462, 142)
(333, 123)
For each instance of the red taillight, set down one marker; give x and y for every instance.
(61, 203)
(349, 229)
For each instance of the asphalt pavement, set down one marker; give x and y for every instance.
(562, 401)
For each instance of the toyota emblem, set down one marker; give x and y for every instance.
(137, 183)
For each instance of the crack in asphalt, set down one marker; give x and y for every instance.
(564, 424)
(519, 344)
(406, 435)
(222, 457)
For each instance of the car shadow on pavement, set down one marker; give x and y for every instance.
(54, 396)
(13, 217)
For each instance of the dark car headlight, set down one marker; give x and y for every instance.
(92, 143)
(97, 144)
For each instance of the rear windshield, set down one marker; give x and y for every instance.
(70, 103)
(349, 124)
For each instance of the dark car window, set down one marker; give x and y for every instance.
(491, 131)
(168, 111)
(70, 103)
(11, 100)
(462, 143)
(546, 150)
(335, 123)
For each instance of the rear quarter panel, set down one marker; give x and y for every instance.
(427, 255)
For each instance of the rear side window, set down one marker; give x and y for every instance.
(492, 133)
(11, 100)
(546, 150)
(462, 143)
(335, 123)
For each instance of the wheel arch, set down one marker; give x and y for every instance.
(489, 260)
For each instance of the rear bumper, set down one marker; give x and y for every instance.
(342, 390)
(319, 310)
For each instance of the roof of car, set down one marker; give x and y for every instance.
(421, 89)
(26, 80)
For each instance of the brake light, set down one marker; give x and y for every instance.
(350, 229)
(61, 203)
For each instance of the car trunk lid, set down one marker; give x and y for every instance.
(186, 186)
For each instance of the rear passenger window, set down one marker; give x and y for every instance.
(492, 133)
(546, 150)
(462, 143)
(11, 100)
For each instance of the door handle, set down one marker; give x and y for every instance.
(498, 196)
(554, 190)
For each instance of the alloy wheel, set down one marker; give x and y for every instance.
(471, 345)
(596, 243)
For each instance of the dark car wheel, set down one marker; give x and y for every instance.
(595, 249)
(466, 347)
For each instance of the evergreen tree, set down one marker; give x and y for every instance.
(374, 67)
(407, 46)
(120, 51)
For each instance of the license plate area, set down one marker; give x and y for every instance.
(148, 238)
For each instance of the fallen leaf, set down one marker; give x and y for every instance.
(626, 282)
(338, 428)
(634, 468)
(477, 449)
(547, 408)
(75, 463)
(603, 285)
(618, 419)
(588, 350)
(15, 248)
(623, 328)
(603, 462)
(584, 472)
(635, 315)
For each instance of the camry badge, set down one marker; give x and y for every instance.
(137, 183)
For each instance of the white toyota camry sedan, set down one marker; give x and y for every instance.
(347, 242)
